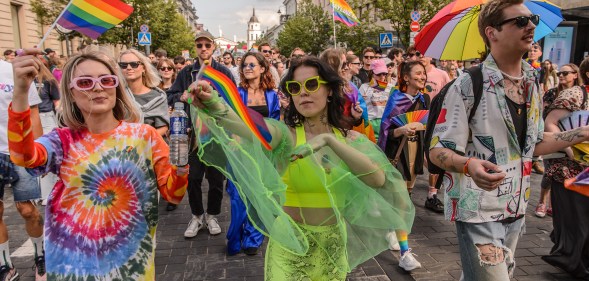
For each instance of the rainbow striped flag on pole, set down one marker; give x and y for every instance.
(344, 13)
(94, 17)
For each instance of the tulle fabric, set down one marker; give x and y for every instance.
(363, 215)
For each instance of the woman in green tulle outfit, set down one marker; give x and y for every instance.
(324, 195)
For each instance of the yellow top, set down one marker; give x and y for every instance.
(306, 179)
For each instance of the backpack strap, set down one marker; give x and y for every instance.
(476, 75)
(584, 104)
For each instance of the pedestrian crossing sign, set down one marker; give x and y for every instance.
(386, 40)
(144, 38)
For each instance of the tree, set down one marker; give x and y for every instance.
(398, 12)
(365, 34)
(169, 29)
(309, 29)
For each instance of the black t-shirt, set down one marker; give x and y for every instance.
(363, 75)
(518, 114)
(48, 93)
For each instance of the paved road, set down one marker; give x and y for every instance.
(203, 258)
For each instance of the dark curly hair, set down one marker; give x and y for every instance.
(266, 79)
(335, 105)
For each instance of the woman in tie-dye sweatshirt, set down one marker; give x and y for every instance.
(101, 216)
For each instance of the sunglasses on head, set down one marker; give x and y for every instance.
(564, 73)
(168, 68)
(250, 65)
(522, 21)
(88, 83)
(133, 64)
(311, 85)
(207, 45)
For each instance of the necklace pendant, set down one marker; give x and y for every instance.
(519, 111)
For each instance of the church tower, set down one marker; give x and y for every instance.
(253, 30)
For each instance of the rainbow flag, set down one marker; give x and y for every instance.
(380, 85)
(344, 13)
(94, 17)
(227, 89)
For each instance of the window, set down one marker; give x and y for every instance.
(15, 13)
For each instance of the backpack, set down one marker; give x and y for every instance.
(476, 75)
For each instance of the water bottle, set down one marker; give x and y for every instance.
(178, 136)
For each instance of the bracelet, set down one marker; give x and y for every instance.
(465, 168)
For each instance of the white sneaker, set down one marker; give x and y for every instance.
(393, 242)
(194, 226)
(408, 261)
(212, 224)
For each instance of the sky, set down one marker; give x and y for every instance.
(232, 15)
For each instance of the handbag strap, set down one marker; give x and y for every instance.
(403, 141)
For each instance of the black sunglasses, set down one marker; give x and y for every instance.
(417, 53)
(133, 64)
(564, 73)
(369, 57)
(168, 68)
(522, 21)
(207, 45)
(266, 51)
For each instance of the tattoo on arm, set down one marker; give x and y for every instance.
(568, 136)
(442, 157)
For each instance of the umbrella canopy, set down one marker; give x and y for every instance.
(453, 33)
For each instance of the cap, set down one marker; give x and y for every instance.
(204, 34)
(49, 50)
(378, 66)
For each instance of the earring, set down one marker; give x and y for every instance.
(329, 99)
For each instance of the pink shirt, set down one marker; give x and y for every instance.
(436, 80)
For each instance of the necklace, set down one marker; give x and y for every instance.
(512, 77)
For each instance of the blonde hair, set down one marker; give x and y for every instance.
(151, 78)
(71, 116)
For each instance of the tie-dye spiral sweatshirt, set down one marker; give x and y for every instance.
(102, 214)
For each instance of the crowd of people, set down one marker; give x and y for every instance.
(88, 136)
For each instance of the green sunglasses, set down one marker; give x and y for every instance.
(311, 86)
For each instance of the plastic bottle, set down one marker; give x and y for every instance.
(178, 136)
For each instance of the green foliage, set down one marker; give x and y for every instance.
(310, 29)
(169, 29)
(398, 12)
(358, 37)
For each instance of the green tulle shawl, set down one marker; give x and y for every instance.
(364, 214)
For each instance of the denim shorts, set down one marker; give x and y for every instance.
(477, 263)
(26, 188)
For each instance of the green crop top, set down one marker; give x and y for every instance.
(306, 179)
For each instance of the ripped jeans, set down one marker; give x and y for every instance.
(487, 249)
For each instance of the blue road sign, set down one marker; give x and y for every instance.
(386, 40)
(415, 15)
(144, 38)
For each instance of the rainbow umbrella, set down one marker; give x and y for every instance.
(453, 33)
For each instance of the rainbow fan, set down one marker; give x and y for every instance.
(418, 116)
(575, 120)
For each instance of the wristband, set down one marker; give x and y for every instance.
(465, 168)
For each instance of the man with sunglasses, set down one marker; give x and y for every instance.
(205, 47)
(266, 50)
(368, 55)
(488, 161)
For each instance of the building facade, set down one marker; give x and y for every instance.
(19, 28)
(254, 32)
(187, 10)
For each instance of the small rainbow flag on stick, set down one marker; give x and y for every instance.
(227, 89)
(94, 17)
(344, 13)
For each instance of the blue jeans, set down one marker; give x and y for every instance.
(487, 249)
